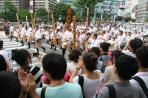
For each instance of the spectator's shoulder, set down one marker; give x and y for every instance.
(104, 93)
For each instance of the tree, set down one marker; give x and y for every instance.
(84, 4)
(9, 12)
(23, 13)
(42, 15)
(60, 11)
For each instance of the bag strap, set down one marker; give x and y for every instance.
(43, 92)
(81, 83)
(142, 84)
(112, 91)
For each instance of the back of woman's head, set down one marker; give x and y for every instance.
(117, 53)
(90, 60)
(21, 57)
(135, 44)
(9, 84)
(3, 64)
(96, 50)
(105, 46)
(74, 55)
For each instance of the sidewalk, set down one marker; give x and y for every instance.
(2, 34)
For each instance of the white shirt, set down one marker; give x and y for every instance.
(143, 76)
(121, 39)
(38, 34)
(95, 43)
(11, 28)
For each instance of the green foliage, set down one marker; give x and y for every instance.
(86, 3)
(23, 13)
(60, 11)
(9, 12)
(41, 15)
(146, 20)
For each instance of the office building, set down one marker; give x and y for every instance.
(111, 8)
(24, 4)
(142, 10)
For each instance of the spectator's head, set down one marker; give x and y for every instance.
(121, 32)
(95, 36)
(54, 66)
(115, 55)
(3, 64)
(142, 55)
(96, 50)
(9, 84)
(22, 57)
(74, 55)
(1, 44)
(126, 66)
(135, 44)
(104, 47)
(90, 61)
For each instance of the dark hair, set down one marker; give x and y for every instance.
(126, 66)
(1, 44)
(95, 35)
(90, 60)
(96, 50)
(74, 55)
(21, 57)
(121, 32)
(117, 53)
(55, 65)
(135, 44)
(142, 56)
(105, 46)
(10, 85)
(3, 64)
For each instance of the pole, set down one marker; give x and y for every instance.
(53, 22)
(74, 32)
(68, 19)
(87, 19)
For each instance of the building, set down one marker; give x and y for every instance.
(142, 10)
(109, 9)
(66, 1)
(14, 2)
(24, 4)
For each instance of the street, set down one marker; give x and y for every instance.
(10, 45)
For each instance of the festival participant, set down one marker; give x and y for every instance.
(120, 39)
(11, 32)
(141, 78)
(95, 42)
(23, 31)
(125, 67)
(90, 81)
(7, 29)
(54, 66)
(29, 35)
(81, 40)
(64, 46)
(38, 38)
